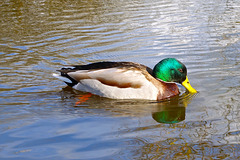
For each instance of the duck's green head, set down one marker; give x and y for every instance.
(171, 70)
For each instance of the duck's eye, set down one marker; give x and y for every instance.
(180, 70)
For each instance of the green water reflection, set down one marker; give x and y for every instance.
(170, 115)
(173, 111)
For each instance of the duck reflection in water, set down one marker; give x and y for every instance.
(168, 111)
(173, 110)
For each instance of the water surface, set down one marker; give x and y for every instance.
(39, 118)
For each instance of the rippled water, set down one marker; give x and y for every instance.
(38, 115)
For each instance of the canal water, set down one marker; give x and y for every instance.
(41, 118)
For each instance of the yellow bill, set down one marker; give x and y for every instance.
(187, 85)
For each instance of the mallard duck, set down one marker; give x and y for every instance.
(128, 80)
